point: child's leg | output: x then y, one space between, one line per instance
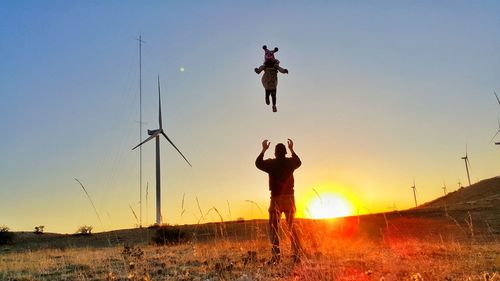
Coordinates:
273 96
268 92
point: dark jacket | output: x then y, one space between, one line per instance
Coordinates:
280 172
270 77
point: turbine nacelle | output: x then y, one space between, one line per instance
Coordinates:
155 132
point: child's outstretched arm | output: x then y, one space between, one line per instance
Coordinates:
282 70
259 69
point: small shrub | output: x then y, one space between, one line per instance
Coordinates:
84 230
6 236
39 229
170 235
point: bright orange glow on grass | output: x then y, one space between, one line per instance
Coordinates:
329 205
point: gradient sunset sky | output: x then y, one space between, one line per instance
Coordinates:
379 93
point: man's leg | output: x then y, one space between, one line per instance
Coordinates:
268 92
294 237
274 220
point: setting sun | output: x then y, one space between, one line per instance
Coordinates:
329 206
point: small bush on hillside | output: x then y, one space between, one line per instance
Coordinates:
39 229
6 236
170 235
84 230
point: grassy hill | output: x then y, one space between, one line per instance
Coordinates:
483 194
476 207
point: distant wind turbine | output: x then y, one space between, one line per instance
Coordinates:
414 192
467 164
498 120
445 207
498 100
156 134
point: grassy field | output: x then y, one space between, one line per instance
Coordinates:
391 246
455 237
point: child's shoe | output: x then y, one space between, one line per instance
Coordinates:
274 108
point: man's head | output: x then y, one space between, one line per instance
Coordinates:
280 151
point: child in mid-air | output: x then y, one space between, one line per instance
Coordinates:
270 67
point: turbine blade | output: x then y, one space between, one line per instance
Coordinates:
159 104
498 100
146 140
495 135
176 148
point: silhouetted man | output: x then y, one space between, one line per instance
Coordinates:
281 183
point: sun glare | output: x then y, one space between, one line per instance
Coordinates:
329 206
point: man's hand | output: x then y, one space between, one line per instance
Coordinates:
265 145
290 145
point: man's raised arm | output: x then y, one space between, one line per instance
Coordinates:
295 157
259 162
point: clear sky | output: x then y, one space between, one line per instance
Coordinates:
379 93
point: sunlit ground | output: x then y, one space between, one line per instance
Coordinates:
330 252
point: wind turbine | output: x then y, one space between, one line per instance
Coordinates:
156 134
498 100
498 120
414 193
467 164
444 190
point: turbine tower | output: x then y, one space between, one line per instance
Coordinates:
467 164
444 189
156 135
414 192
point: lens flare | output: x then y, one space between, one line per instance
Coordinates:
329 206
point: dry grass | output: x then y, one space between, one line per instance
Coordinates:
329 254
433 242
